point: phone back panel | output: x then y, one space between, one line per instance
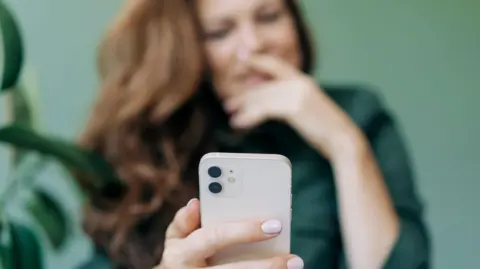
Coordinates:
253 186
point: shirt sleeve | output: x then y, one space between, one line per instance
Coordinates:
412 248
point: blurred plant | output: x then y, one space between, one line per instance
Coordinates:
31 150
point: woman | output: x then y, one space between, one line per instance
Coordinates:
183 78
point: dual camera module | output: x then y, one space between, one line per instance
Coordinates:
215 172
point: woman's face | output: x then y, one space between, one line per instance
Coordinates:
234 29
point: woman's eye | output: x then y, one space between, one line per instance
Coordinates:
269 17
217 34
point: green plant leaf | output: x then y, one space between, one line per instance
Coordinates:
98 174
12 48
19 247
7 257
27 250
48 214
43 208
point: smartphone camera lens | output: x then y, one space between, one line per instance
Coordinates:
214 172
215 187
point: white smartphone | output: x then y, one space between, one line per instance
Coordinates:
236 187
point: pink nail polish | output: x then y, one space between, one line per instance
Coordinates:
271 226
190 202
295 263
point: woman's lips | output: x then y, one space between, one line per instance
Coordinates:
253 80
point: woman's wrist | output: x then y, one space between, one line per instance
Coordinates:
348 148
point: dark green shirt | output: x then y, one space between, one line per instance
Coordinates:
316 236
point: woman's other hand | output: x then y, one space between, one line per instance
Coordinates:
293 97
187 246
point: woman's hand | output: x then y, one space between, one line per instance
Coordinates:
295 98
186 246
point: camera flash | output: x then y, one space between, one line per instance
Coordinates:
231 179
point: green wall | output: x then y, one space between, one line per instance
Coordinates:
423 56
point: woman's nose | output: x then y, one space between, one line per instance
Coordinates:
250 40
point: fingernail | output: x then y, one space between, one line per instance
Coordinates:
191 201
295 263
271 227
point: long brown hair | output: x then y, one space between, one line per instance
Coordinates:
147 124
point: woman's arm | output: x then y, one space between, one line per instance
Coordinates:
380 214
368 219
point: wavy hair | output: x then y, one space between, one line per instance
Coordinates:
147 124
